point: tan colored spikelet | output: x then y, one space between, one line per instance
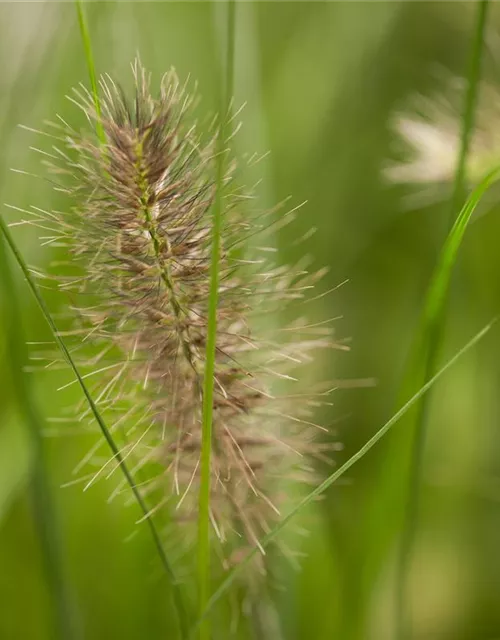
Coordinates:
139 233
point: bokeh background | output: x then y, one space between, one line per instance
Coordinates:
320 82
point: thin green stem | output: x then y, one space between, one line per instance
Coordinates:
42 503
470 102
264 542
208 381
177 596
433 332
43 508
89 57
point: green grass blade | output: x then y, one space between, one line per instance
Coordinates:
397 456
208 381
42 503
177 596
430 339
436 297
473 76
89 57
342 470
16 463
43 508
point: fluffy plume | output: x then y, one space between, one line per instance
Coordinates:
139 235
430 131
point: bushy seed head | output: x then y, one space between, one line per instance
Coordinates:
139 230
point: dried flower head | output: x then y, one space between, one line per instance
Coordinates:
139 234
431 130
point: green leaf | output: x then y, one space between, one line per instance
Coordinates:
208 381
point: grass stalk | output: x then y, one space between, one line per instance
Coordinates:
469 107
433 326
177 596
42 502
89 57
208 381
307 500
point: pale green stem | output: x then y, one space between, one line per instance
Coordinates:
89 57
42 503
431 347
44 512
208 380
473 79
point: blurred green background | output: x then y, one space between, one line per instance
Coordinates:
320 82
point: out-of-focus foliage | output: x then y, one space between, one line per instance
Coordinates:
321 81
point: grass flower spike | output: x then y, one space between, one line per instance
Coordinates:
431 130
138 231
